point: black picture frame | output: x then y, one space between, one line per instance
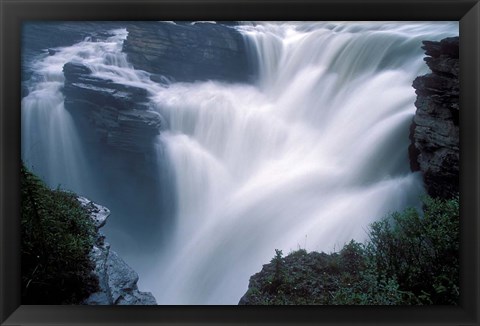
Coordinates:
14 12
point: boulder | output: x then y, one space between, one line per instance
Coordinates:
434 133
187 51
117 280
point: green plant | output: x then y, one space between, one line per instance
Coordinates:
420 251
56 238
274 281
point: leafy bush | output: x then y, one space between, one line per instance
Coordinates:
360 284
57 236
420 251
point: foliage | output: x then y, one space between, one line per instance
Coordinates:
410 258
421 252
57 236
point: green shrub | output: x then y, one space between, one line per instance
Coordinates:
57 236
420 251
360 284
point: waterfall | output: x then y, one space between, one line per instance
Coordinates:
51 145
306 157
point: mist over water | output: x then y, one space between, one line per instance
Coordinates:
305 157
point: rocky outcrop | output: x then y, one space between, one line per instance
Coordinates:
117 113
300 278
435 130
303 278
184 51
117 280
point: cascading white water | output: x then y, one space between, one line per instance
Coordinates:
306 157
50 143
50 139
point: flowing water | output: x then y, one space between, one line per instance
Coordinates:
305 157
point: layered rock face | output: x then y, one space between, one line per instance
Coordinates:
435 130
117 280
183 52
118 113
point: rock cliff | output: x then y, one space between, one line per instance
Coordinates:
435 129
117 113
117 280
182 51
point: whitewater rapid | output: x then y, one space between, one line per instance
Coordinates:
305 157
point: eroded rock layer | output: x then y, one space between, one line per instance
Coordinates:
435 130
